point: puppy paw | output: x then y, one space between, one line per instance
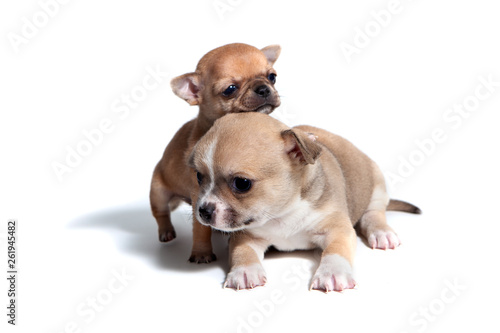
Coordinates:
202 258
383 239
166 235
333 273
246 277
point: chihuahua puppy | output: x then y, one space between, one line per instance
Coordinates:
269 185
231 78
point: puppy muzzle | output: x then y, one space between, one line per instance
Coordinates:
261 97
206 213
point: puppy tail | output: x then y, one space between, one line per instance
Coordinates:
402 206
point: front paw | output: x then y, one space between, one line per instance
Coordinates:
166 235
202 257
246 277
333 273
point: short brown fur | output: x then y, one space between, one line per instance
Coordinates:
234 64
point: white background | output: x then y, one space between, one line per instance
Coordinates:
75 234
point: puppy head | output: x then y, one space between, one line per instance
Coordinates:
249 169
232 78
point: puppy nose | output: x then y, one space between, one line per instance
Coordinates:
206 212
263 91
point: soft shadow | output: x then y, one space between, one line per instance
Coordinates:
361 236
312 255
272 253
134 231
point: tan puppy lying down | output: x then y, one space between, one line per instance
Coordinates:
270 185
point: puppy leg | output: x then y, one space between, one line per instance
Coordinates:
245 256
202 244
335 268
160 198
373 224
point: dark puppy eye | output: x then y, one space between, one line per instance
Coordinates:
199 177
230 90
272 78
242 185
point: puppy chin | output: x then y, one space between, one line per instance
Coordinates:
266 109
228 226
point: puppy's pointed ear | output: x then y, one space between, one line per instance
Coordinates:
301 147
272 52
187 87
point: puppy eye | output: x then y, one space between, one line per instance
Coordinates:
242 185
199 177
272 78
230 90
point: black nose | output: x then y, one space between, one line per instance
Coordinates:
263 91
206 212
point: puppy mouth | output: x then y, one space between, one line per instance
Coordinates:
228 229
232 226
266 109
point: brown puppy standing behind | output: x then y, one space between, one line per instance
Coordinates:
274 186
231 78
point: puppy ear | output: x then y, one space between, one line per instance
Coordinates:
187 87
272 52
301 147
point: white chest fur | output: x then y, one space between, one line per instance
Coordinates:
293 231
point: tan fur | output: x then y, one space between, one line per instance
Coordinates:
308 190
355 166
234 64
